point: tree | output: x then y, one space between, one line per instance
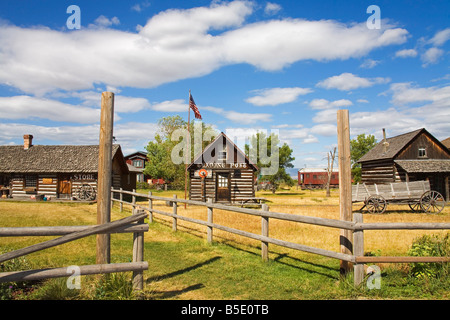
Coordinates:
159 151
284 158
359 147
331 157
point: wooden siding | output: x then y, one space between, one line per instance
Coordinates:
433 150
241 187
381 171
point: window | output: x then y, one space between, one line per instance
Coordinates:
30 181
314 176
222 181
422 152
237 173
137 163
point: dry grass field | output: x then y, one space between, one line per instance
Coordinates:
312 203
183 266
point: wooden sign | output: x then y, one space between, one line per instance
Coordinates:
225 165
47 181
83 176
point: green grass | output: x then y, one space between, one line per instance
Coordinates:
182 265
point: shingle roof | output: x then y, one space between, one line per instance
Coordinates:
51 159
424 165
396 144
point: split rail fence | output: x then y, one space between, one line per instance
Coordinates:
357 227
132 224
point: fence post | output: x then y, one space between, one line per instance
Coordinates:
150 207
265 233
209 231
358 245
138 255
133 201
345 186
174 206
104 175
121 199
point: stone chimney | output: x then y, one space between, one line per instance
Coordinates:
27 141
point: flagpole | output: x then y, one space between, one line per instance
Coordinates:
187 148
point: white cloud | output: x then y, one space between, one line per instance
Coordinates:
431 56
362 101
26 107
320 104
104 22
174 44
440 37
240 117
130 135
138 7
275 96
272 8
178 105
406 53
405 93
348 81
310 139
325 129
369 63
268 45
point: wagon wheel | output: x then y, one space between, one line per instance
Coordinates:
415 206
432 202
85 192
376 204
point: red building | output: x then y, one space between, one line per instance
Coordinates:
317 178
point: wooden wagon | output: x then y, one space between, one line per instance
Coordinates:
417 194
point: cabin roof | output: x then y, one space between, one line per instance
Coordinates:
52 159
219 139
396 145
410 166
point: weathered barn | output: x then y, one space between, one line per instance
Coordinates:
228 175
412 156
317 178
61 171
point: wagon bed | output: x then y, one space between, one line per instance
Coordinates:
417 194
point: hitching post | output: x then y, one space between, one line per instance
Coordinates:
104 175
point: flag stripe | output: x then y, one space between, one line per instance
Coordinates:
194 107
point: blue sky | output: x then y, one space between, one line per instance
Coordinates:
280 66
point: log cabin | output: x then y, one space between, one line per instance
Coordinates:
58 171
222 172
412 156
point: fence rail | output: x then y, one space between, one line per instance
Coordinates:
133 224
357 227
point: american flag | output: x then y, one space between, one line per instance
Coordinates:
194 107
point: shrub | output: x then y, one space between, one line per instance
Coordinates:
430 245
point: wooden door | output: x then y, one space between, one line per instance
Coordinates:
223 186
64 185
